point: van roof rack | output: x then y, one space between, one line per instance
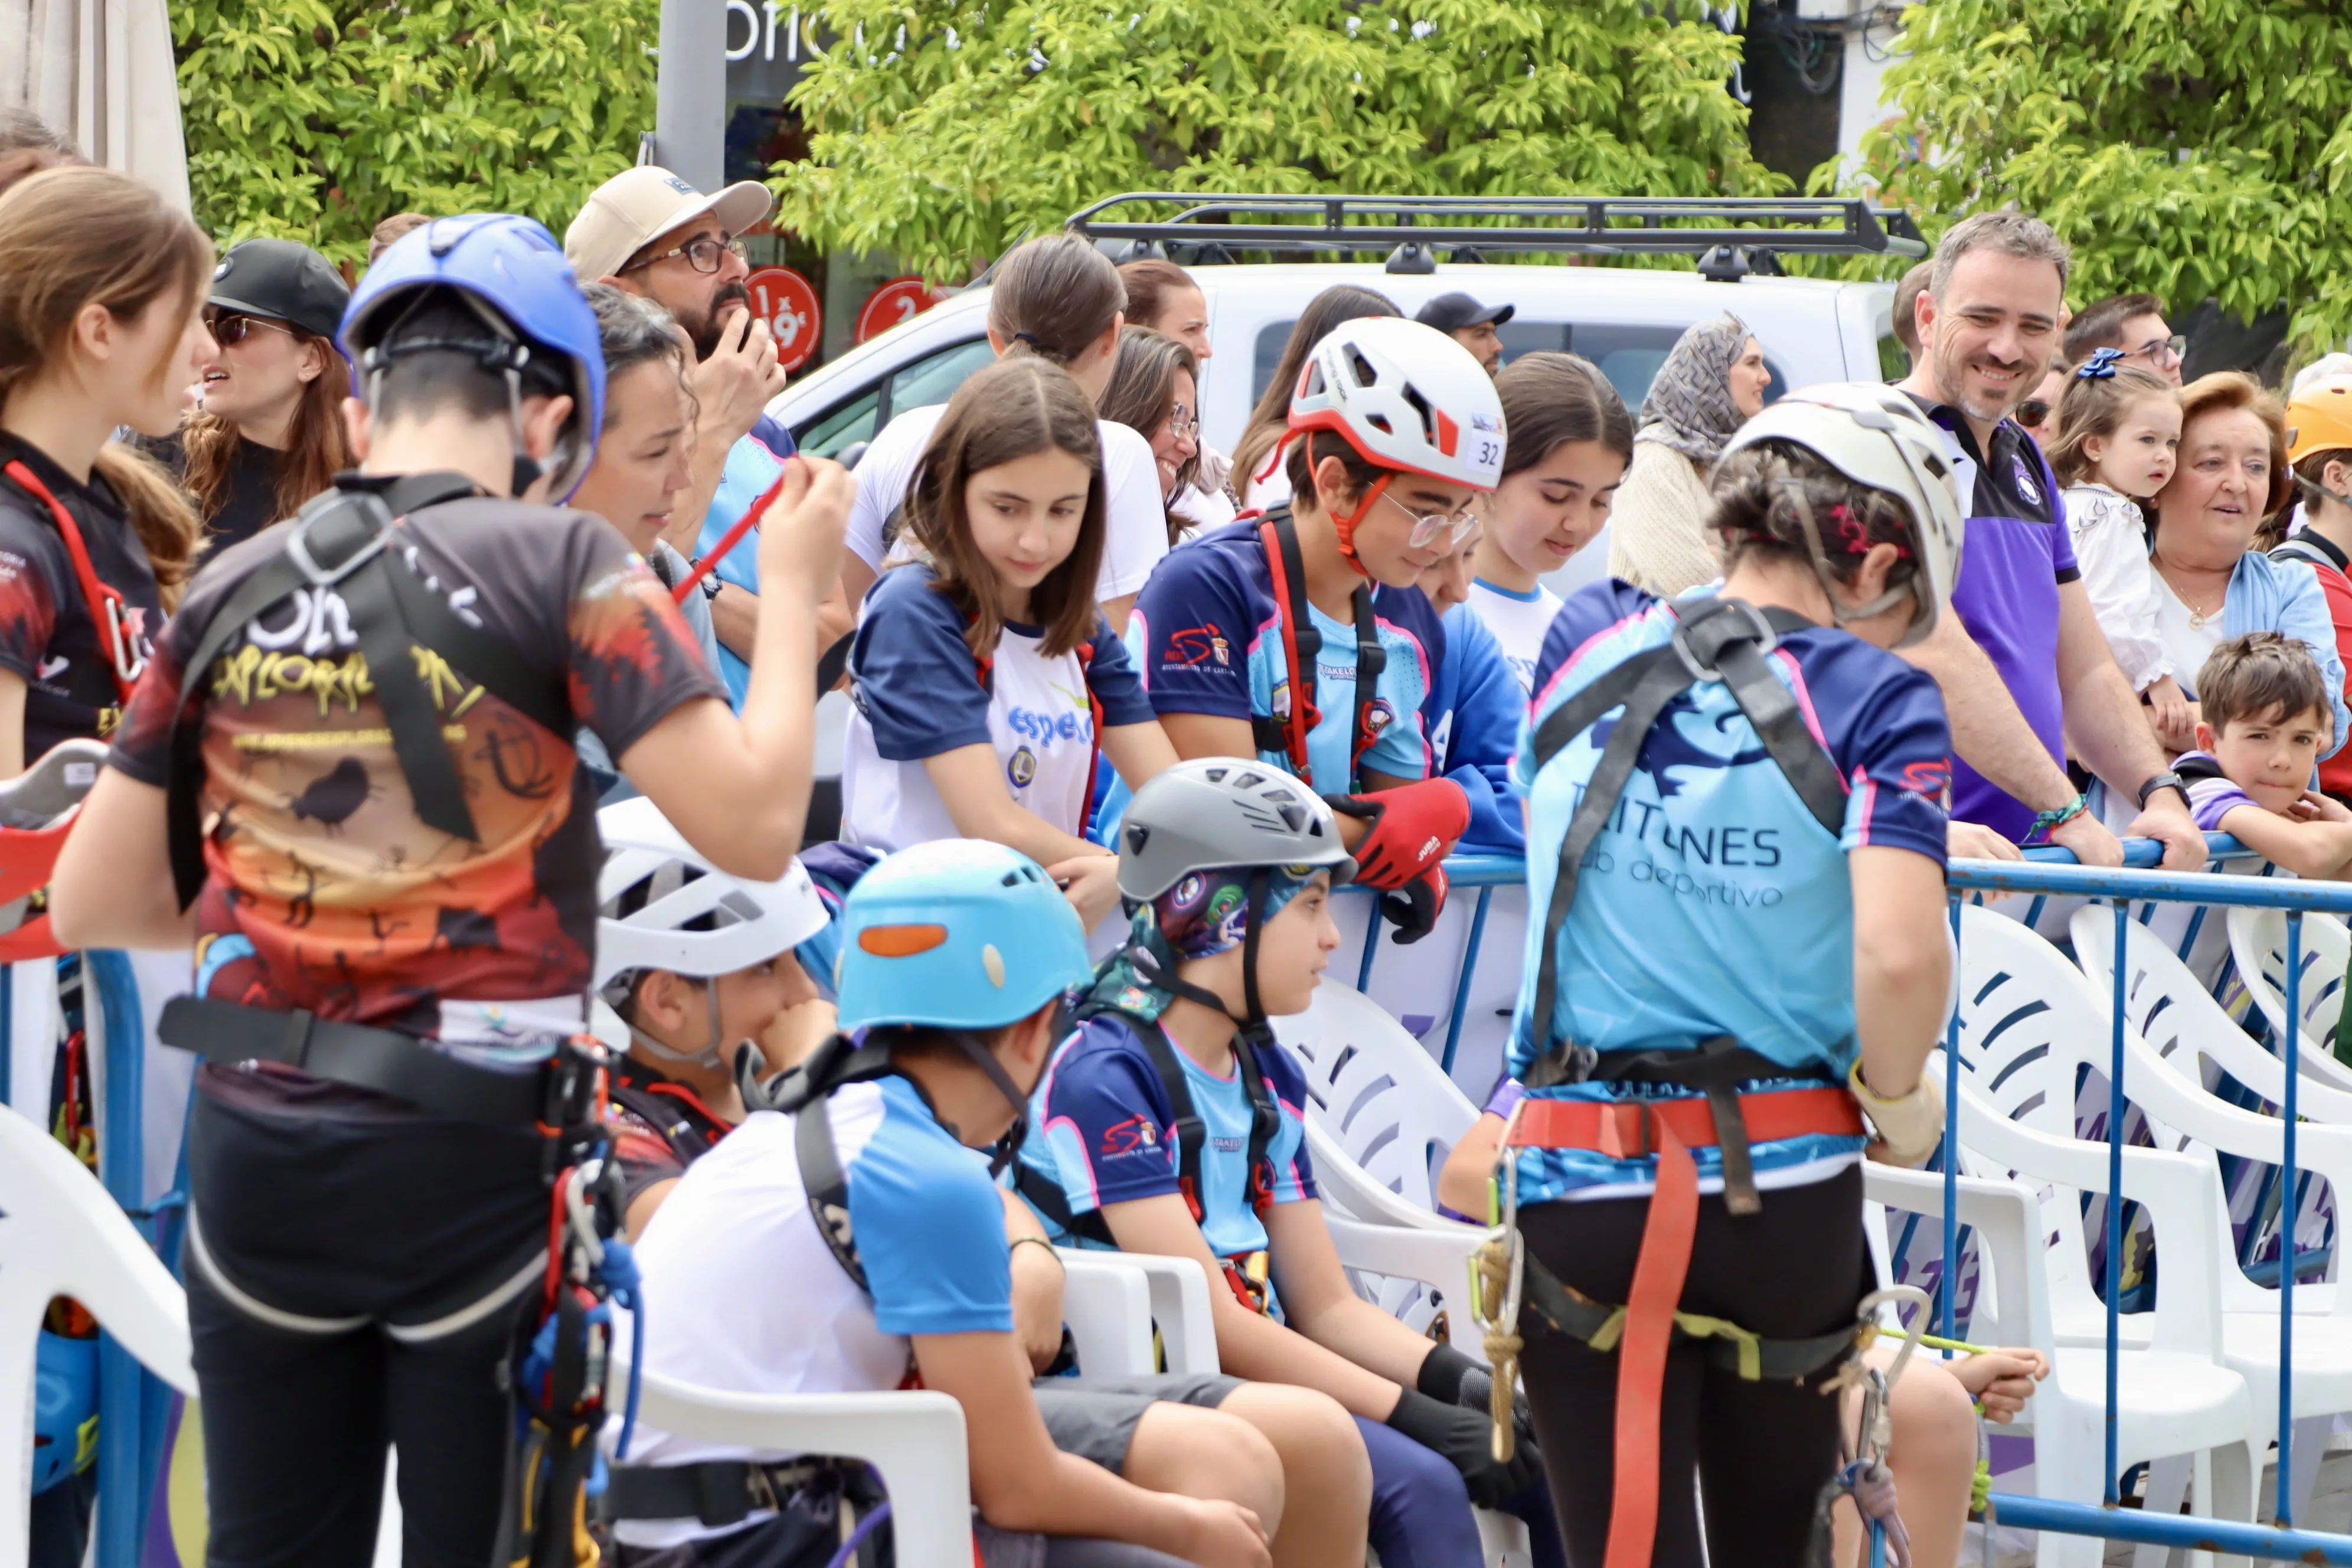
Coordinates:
1730 236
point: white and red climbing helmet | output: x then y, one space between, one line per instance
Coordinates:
1406 397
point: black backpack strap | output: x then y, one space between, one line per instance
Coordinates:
1184 1121
802 1094
1371 663
676 1128
1715 639
1266 1115
827 1186
1046 1196
343 539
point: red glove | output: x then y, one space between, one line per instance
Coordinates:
1414 827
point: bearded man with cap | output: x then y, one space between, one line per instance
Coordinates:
650 232
1471 324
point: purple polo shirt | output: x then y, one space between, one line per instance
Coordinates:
2015 555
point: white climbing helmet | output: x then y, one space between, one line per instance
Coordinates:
1405 395
1877 437
662 906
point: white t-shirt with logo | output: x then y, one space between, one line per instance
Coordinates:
1519 622
919 692
1134 513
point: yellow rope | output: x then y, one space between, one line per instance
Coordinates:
1502 1343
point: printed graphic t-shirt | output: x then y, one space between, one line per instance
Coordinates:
325 891
1519 622
48 638
1206 637
1098 1125
919 692
1713 902
751 1299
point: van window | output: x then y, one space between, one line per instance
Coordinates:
931 379
1628 355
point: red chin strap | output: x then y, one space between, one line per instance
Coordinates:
1345 527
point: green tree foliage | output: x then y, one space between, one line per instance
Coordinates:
2198 151
941 130
316 118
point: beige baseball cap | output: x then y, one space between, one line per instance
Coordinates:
641 205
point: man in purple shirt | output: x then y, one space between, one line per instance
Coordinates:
2022 664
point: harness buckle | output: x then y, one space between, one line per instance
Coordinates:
1766 638
297 549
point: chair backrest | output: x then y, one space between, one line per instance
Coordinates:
2258 942
2182 1023
2024 1031
60 1235
1376 1092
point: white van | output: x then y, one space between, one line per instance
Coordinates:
1622 319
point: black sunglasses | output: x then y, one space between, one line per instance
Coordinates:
230 327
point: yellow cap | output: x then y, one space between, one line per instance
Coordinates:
2319 419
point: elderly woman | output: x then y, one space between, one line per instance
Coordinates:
1712 382
2210 583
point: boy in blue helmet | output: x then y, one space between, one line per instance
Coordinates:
347 778
1172 1122
955 957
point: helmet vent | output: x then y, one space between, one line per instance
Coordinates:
1421 406
1379 422
1294 816
1137 837
1365 374
1012 879
1249 781
1216 776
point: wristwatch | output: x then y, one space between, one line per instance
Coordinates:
711 584
2165 779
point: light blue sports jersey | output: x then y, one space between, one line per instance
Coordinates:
751 469
1714 902
1098 1125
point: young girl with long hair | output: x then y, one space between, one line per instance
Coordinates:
1569 440
985 677
269 435
100 285
2119 440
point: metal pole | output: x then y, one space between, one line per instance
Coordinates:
690 92
1461 985
2291 1052
2116 1188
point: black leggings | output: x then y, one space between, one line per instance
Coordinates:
1762 1451
392 1223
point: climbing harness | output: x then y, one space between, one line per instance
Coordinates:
1245 1275
1864 1477
344 543
108 610
1287 731
1714 639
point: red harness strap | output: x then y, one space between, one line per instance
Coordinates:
1670 1129
1303 715
104 604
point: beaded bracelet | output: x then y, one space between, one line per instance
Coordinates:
2059 816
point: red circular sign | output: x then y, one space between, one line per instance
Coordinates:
783 298
899 299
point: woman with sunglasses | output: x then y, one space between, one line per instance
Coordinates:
101 283
267 433
1300 638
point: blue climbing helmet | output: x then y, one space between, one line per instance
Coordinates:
64 1407
536 326
956 934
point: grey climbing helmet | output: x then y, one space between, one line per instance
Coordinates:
1214 812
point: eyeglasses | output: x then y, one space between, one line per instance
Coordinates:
229 327
703 255
1427 526
2032 412
2164 350
1183 424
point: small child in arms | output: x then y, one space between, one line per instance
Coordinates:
2266 721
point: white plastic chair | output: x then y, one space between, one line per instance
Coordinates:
1380 1115
915 1439
2025 1026
2258 943
61 1234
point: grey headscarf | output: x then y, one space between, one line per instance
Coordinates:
1689 405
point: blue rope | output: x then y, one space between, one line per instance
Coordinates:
858 1537
623 1279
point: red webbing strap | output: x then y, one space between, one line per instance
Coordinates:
1658 1275
95 594
1299 721
727 541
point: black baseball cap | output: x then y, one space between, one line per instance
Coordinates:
1452 312
284 280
